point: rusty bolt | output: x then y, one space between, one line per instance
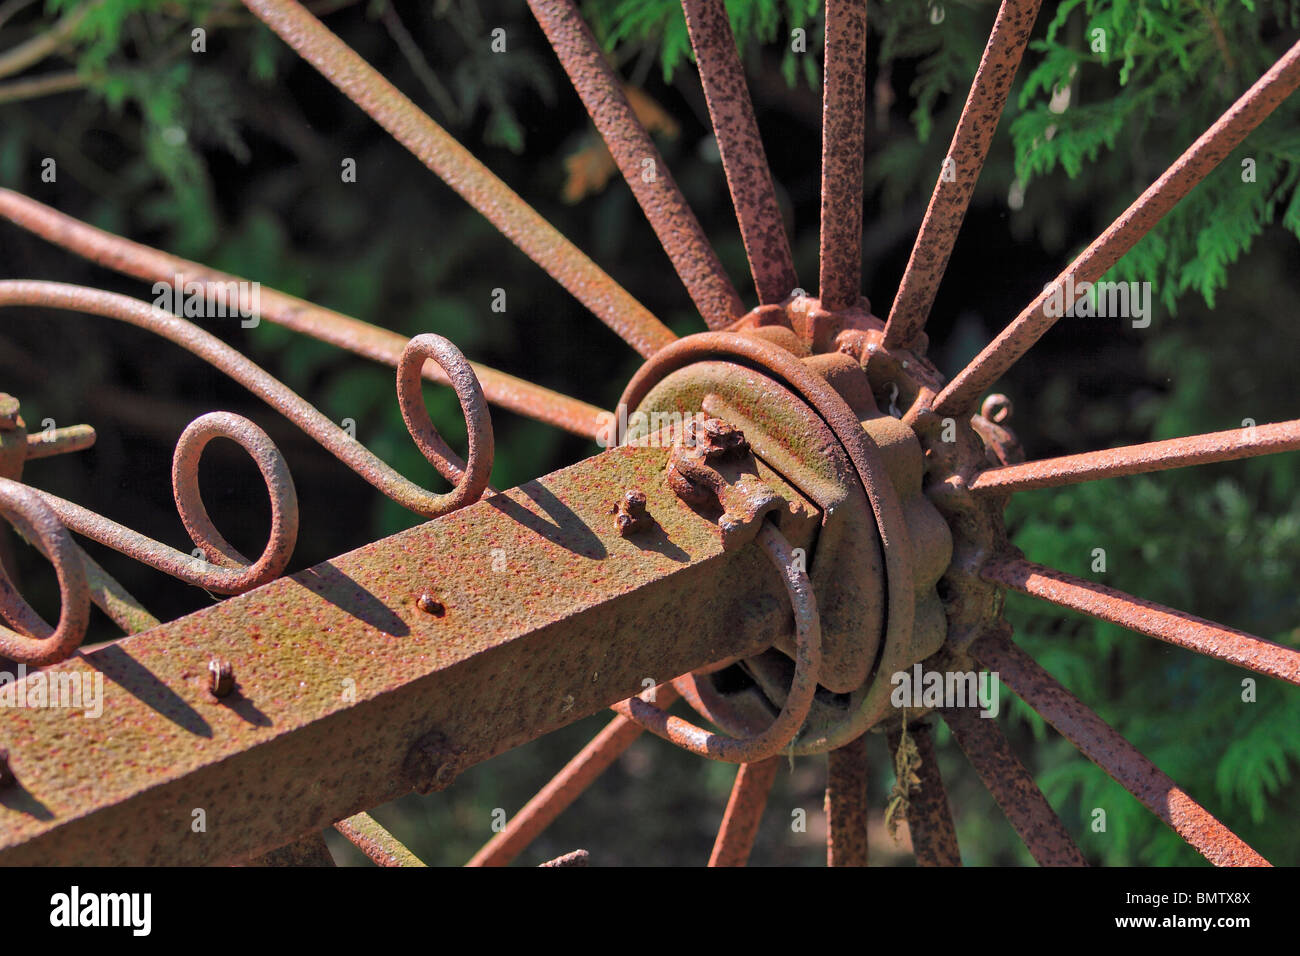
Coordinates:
8 412
630 515
430 605
221 677
6 774
718 439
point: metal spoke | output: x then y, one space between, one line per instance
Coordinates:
743 157
565 787
1135 222
1230 445
929 817
846 804
1097 741
1026 808
458 168
639 161
844 104
1146 617
365 833
744 811
371 341
961 169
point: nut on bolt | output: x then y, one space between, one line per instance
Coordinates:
630 515
717 439
221 677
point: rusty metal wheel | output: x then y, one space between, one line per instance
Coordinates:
803 452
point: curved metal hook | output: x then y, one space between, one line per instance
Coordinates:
41 644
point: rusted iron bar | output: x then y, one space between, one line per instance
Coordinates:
1230 445
639 161
803 685
362 338
59 441
565 787
458 168
846 804
1097 741
844 106
365 833
744 812
1146 617
1210 148
329 435
961 170
743 157
929 817
1026 808
350 690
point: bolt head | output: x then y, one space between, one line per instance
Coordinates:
430 605
221 677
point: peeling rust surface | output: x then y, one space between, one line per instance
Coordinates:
844 101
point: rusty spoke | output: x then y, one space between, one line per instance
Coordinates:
639 161
365 833
1147 617
929 817
743 157
371 341
846 804
564 788
1099 742
1135 222
961 169
1026 808
744 811
458 168
1230 445
844 103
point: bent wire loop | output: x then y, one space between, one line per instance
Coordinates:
45 519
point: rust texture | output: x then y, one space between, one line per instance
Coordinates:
1026 808
744 811
961 169
34 641
576 858
1112 753
1146 617
361 338
1230 445
846 804
1135 222
365 833
777 736
843 108
929 817
565 787
872 473
309 850
458 168
743 157
551 616
329 435
639 161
